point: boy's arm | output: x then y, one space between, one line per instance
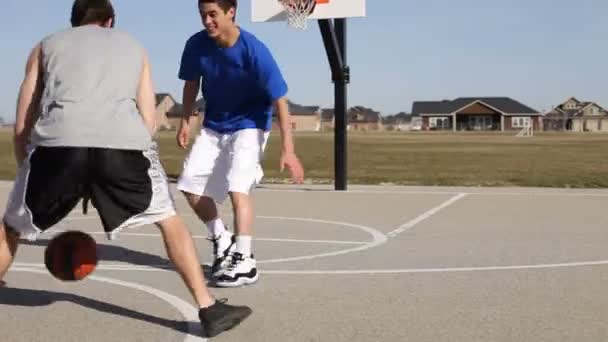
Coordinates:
189 72
28 104
271 81
188 99
288 155
282 108
146 98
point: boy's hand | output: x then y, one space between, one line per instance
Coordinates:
291 161
183 136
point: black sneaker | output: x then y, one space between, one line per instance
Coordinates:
221 317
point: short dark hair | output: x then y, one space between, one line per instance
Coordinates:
85 12
224 4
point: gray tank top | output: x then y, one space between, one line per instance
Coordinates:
91 76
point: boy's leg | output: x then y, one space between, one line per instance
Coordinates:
242 206
205 208
47 187
244 173
203 182
180 249
9 240
223 240
130 190
215 316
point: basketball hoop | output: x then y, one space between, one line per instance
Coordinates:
298 12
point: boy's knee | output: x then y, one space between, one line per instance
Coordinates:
10 232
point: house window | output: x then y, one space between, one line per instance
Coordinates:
521 121
593 110
439 122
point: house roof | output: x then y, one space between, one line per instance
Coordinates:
358 114
580 107
327 114
178 109
297 109
161 96
362 114
503 104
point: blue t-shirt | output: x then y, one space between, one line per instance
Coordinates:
239 83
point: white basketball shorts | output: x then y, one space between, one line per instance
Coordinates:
222 163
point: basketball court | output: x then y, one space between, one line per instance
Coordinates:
368 264
372 263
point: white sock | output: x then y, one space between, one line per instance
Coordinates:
243 245
216 227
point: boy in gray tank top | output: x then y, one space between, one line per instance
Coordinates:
84 127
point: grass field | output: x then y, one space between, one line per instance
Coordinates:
546 160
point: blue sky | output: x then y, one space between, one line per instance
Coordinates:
539 52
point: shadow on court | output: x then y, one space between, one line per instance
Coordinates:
37 298
115 253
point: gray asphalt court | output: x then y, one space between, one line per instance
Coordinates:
374 263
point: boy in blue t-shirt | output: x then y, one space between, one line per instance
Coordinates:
241 84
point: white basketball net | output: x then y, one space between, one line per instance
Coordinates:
298 12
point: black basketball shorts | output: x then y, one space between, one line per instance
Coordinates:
128 188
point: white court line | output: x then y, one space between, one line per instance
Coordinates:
188 311
443 192
167 268
204 237
411 224
378 239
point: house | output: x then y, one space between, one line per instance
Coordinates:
303 118
164 104
398 122
364 119
169 112
359 118
577 116
327 119
476 114
176 113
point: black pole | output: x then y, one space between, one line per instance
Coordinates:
340 109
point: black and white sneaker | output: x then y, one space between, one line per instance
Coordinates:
223 246
221 317
241 271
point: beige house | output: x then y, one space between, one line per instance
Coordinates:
364 119
303 118
169 112
164 104
577 116
358 119
327 120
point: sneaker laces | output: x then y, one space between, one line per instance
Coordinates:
234 261
216 243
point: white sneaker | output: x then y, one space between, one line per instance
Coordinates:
241 271
223 246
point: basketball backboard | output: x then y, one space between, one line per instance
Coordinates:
272 10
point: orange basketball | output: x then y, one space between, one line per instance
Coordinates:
71 256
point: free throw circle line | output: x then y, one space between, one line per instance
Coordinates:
185 309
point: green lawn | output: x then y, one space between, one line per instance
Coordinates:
548 160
